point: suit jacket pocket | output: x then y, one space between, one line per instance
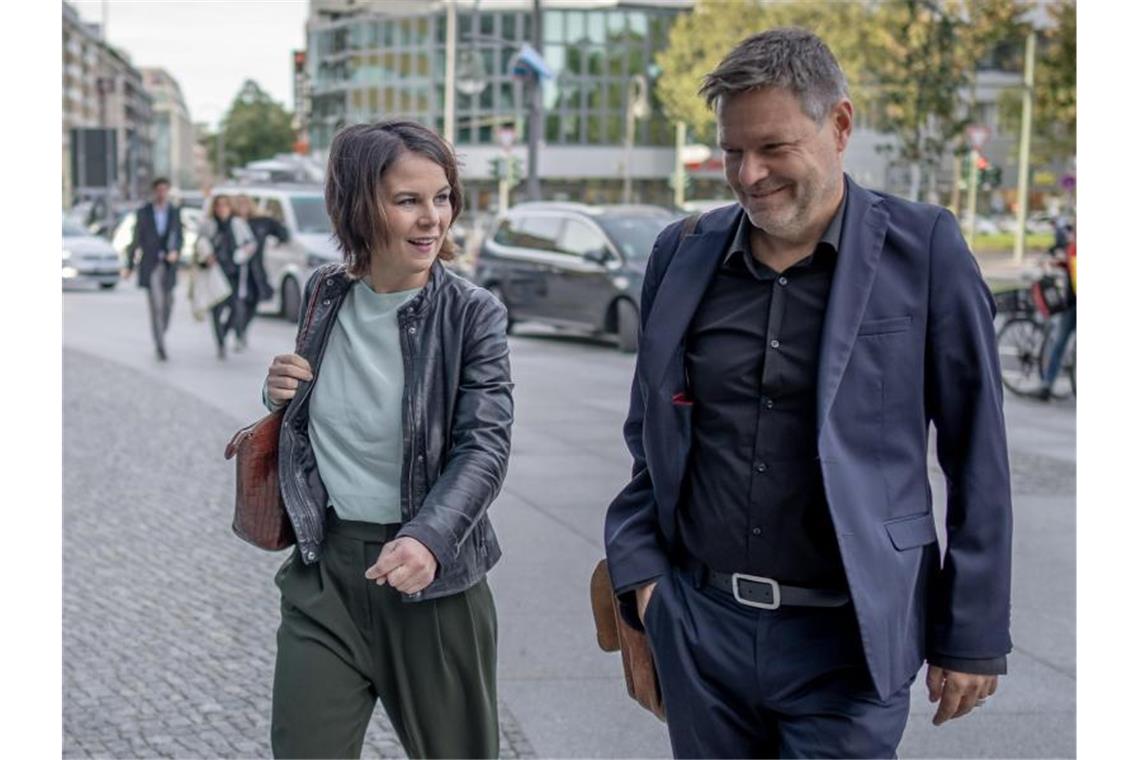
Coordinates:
911 531
884 326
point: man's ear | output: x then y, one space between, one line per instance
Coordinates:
843 122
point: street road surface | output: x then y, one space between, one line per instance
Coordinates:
169 620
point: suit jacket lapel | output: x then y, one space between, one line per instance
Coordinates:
860 245
685 281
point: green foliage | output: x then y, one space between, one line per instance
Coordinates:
923 55
700 39
907 61
255 127
1054 89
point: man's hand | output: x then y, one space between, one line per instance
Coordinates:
404 564
125 273
644 594
958 692
172 257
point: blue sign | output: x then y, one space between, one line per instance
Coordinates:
528 62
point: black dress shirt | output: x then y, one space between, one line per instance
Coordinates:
754 499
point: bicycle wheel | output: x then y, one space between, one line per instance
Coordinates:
1019 350
1065 385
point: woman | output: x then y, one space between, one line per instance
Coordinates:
230 244
393 445
257 288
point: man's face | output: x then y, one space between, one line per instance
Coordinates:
786 171
161 191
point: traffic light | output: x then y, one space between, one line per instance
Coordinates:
509 169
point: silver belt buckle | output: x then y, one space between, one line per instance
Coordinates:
773 605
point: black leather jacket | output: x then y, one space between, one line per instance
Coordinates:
456 420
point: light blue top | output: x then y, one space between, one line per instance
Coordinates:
355 413
160 218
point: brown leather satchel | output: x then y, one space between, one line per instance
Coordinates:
614 634
259 510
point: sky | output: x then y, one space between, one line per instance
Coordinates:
209 46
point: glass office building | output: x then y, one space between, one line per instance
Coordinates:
369 61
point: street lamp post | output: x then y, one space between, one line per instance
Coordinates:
527 63
533 189
1023 151
636 107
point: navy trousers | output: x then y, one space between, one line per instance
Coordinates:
744 682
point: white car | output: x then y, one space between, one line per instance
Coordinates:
88 258
288 264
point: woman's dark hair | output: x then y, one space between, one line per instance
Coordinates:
214 204
358 157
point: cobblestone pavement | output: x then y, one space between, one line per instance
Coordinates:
168 619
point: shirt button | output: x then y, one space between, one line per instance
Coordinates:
774 344
329 281
412 330
311 555
327 301
783 280
420 458
756 531
761 467
769 403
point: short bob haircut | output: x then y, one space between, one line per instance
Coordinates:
213 210
358 157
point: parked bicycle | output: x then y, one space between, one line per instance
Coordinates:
1026 339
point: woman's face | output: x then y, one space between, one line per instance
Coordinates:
222 208
415 198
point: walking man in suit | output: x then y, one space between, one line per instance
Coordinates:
776 539
156 243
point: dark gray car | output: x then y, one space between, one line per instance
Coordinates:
573 265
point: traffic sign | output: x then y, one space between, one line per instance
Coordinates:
977 134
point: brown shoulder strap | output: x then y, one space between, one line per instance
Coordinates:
690 224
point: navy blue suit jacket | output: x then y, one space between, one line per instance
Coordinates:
908 340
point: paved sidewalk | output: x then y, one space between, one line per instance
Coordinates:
168 619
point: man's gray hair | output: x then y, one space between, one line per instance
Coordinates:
790 58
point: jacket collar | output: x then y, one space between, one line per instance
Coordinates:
684 283
861 244
338 281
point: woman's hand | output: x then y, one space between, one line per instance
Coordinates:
285 374
404 564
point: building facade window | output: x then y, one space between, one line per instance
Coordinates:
372 67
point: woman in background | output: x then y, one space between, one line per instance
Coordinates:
230 245
258 288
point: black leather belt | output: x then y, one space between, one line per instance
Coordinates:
767 594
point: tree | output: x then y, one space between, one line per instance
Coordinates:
700 39
922 55
254 127
1054 89
907 61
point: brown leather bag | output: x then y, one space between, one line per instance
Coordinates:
614 634
259 510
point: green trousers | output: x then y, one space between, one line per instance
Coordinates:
344 641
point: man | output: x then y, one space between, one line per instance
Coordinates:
155 243
776 539
1067 321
